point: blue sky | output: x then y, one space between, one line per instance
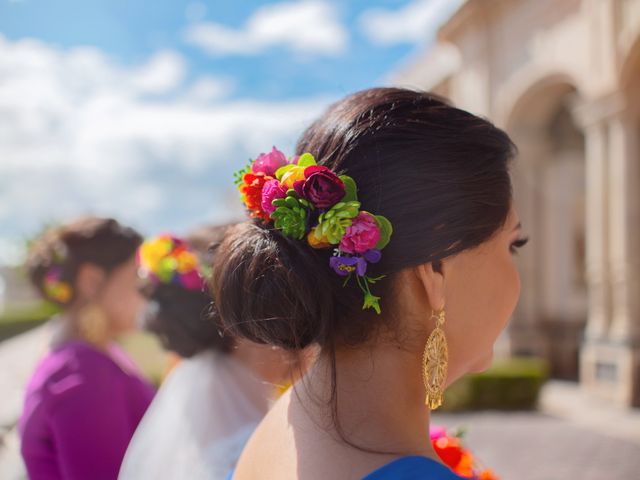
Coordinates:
141 110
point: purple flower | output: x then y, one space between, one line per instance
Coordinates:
372 256
362 235
271 190
322 187
344 266
268 163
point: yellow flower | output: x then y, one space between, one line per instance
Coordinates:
152 252
64 292
294 174
58 291
316 242
187 261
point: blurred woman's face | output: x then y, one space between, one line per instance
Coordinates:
482 286
119 297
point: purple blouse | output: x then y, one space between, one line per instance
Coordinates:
81 409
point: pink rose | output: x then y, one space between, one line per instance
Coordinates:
271 190
362 235
268 163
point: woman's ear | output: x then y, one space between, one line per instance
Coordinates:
432 280
89 281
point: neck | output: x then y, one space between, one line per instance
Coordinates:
79 324
380 399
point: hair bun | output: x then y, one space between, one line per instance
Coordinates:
271 289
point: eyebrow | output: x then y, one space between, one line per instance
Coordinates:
519 225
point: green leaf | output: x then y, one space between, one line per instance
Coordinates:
306 160
373 280
350 188
371 301
386 229
239 175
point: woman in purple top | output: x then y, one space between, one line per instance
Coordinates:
86 397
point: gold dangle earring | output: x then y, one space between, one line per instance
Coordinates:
434 363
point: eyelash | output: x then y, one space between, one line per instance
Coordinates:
518 244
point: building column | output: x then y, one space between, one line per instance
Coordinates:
610 357
596 235
624 215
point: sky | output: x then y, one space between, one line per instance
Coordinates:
141 110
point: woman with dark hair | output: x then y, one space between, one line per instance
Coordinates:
86 397
404 201
213 399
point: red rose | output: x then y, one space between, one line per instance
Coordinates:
322 187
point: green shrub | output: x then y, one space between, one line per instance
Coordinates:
19 320
512 384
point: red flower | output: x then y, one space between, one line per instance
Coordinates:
251 190
450 450
322 187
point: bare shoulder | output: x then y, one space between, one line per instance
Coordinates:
271 450
288 444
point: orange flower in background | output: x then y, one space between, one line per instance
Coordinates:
487 475
450 451
453 454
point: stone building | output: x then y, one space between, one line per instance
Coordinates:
563 78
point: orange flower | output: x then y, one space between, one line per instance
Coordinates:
322 242
251 190
465 465
487 475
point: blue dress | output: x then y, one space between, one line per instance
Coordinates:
409 468
413 468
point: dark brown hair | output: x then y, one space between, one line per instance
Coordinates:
185 320
438 173
98 241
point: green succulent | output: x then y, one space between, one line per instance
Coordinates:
334 223
290 215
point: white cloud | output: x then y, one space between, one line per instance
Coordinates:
413 23
208 88
80 133
163 73
306 27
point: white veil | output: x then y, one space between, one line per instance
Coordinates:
199 421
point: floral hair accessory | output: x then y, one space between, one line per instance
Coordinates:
54 287
311 203
168 260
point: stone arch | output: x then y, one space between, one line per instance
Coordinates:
549 185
